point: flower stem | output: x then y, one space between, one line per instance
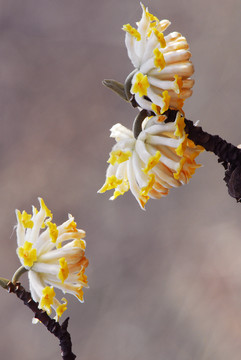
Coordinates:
137 124
16 276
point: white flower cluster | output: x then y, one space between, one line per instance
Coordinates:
163 67
161 156
54 256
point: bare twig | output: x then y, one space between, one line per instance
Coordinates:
60 331
228 155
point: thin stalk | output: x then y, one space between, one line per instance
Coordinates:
18 273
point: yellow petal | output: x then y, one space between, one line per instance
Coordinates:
153 160
118 156
25 219
47 299
159 60
27 253
132 31
145 190
61 308
178 84
160 37
53 231
180 125
64 270
111 183
47 211
166 99
141 85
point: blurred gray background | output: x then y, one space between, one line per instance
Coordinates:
165 284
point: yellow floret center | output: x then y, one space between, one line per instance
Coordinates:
53 231
180 125
79 293
27 253
182 147
132 31
143 200
25 219
64 270
121 189
118 156
79 243
166 100
159 60
151 17
141 85
82 277
178 84
153 160
111 183
61 308
47 299
179 169
72 226
46 209
158 111
160 37
145 190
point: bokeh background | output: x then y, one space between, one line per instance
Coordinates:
165 283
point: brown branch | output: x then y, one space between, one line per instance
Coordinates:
228 155
60 331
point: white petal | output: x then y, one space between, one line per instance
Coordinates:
183 69
158 129
119 132
155 98
177 56
36 285
171 164
46 268
132 181
38 222
147 66
161 140
151 44
145 104
130 45
66 251
20 232
138 165
163 25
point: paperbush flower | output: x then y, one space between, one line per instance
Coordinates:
54 256
163 66
160 158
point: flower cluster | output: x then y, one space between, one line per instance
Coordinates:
54 256
162 63
159 155
160 158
